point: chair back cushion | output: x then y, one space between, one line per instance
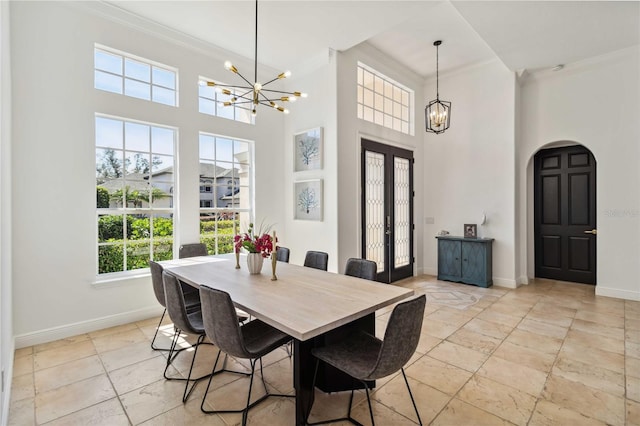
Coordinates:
316 259
192 250
282 254
401 337
175 303
156 280
361 268
221 322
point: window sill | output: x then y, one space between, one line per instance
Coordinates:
119 278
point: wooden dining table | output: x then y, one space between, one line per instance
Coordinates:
312 306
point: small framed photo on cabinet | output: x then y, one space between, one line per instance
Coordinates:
470 230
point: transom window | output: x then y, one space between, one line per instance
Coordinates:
128 75
228 164
384 101
211 100
135 165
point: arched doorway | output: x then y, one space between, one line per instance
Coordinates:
565 214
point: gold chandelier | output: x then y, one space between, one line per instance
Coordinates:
254 94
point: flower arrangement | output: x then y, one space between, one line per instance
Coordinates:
255 242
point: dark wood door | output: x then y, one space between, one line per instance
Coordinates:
565 214
387 209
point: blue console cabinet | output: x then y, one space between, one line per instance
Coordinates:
465 260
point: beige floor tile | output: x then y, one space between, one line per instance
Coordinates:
586 400
595 328
508 307
188 414
23 365
439 375
280 376
543 329
448 316
632 366
22 352
503 401
632 349
147 402
499 318
583 338
63 354
547 414
615 321
458 412
550 318
70 372
137 375
513 374
476 341
633 413
632 335
107 413
22 387
592 355
457 355
604 305
491 329
128 355
591 375
396 396
525 356
382 415
233 396
22 412
333 405
123 339
438 329
633 388
545 307
164 337
76 396
61 342
550 345
113 330
427 343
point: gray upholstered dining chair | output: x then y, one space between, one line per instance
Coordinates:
361 268
183 322
282 255
365 357
250 341
316 259
192 300
192 250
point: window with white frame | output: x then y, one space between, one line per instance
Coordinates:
129 75
228 164
211 100
135 165
384 101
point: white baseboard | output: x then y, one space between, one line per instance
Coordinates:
505 282
64 331
523 280
617 293
430 271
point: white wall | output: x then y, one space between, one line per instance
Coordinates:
469 169
53 175
595 103
6 310
350 132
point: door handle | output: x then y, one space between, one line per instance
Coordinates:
593 231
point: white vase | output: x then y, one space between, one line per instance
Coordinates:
254 263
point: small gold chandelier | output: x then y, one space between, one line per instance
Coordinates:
438 113
255 94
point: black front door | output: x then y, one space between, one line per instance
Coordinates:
565 214
387 209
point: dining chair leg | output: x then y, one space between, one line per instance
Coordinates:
186 394
366 388
411 395
155 348
215 364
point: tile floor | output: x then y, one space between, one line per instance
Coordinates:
549 353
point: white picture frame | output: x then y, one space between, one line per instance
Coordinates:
308 200
307 150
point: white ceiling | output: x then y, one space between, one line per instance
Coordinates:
523 34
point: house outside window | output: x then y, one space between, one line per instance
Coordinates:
228 164
135 190
129 75
384 101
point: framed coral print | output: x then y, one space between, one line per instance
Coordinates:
308 150
308 200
